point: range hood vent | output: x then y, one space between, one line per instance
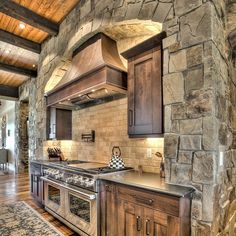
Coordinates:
96 75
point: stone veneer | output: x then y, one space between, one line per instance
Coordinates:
199 96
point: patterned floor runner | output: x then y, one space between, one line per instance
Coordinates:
19 219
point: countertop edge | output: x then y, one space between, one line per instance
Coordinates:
148 188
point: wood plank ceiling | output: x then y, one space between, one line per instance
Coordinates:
24 26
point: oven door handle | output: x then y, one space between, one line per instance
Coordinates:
82 193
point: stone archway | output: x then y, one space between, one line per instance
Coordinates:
57 74
126 33
137 30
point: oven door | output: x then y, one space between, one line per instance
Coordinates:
81 210
54 197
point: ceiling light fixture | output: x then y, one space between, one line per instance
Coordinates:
22 25
7 51
33 65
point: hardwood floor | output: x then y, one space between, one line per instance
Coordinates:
16 188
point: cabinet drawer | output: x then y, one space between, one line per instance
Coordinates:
167 204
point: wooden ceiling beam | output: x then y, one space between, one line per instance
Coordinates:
17 70
29 17
19 41
8 91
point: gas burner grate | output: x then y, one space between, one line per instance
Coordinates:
105 170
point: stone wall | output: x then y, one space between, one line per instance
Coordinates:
196 112
198 126
225 194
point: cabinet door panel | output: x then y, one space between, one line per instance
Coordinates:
159 230
131 97
145 94
53 123
63 124
59 124
143 98
33 185
159 223
157 101
108 210
148 221
130 222
173 226
155 222
140 95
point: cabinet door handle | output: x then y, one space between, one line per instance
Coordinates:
147 227
34 178
131 117
138 223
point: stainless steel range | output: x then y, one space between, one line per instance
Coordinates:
71 193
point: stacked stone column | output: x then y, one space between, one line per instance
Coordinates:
195 87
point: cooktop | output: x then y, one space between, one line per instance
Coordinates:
88 167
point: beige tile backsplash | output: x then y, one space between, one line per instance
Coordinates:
110 124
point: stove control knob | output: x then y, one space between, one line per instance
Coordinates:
83 180
58 176
55 172
69 179
76 179
90 183
86 180
79 179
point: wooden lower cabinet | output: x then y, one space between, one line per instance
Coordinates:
137 213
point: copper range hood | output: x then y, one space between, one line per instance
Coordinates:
96 75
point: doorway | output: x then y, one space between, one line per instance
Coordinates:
22 140
7 135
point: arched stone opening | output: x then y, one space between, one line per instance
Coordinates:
126 33
57 74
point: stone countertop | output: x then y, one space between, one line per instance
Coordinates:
148 181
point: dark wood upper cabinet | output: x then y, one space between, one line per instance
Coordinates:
59 124
145 103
